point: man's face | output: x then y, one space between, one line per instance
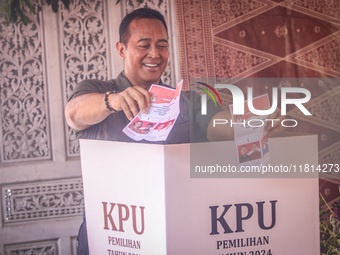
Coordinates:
254 147
138 124
160 126
146 52
244 151
148 126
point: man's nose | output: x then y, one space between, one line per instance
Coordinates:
154 51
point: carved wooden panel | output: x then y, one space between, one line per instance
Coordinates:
24 132
84 50
36 248
42 200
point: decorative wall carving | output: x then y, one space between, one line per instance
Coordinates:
36 248
84 50
24 133
36 201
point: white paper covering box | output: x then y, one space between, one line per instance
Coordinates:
140 199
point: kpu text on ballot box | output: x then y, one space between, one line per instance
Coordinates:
145 199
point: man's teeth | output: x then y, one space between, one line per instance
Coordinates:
151 65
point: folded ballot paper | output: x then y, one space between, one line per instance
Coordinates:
250 134
157 123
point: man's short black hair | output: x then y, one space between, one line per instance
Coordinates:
142 13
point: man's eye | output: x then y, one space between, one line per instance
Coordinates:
163 45
144 46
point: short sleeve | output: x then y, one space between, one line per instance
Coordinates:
92 86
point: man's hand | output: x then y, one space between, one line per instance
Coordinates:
220 132
131 101
276 126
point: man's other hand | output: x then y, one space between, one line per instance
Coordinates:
275 127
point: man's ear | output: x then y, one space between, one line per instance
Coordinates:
121 48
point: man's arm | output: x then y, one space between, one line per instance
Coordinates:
86 110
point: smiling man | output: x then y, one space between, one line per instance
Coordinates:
101 109
144 47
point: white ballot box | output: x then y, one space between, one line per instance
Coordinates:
142 199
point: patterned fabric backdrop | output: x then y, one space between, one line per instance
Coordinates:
237 39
